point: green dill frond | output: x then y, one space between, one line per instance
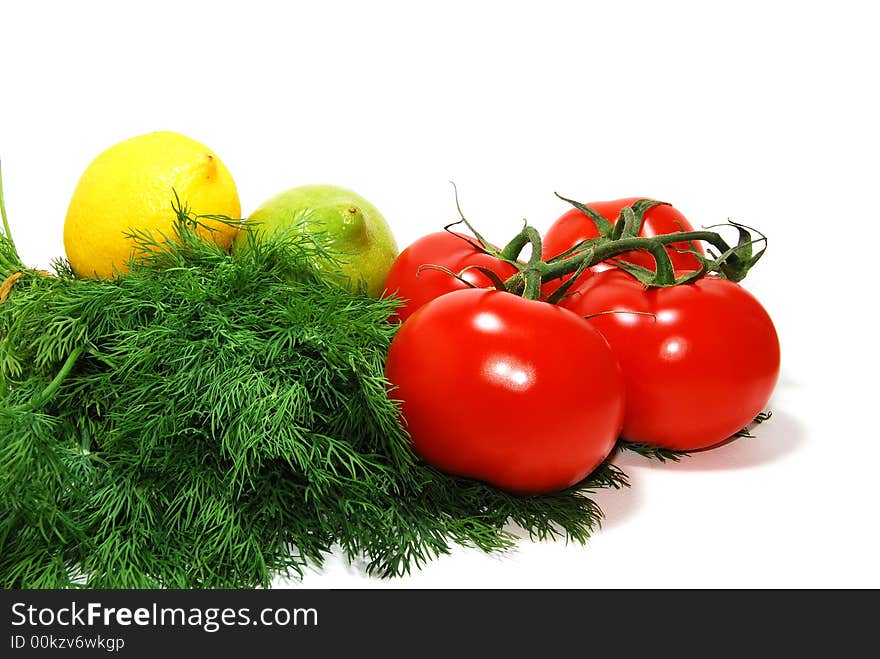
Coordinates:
224 420
652 452
9 259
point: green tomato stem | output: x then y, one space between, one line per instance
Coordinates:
511 250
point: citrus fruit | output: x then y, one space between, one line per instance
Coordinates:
360 239
130 187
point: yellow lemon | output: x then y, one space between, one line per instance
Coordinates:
130 188
364 247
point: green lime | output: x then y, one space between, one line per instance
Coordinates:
363 245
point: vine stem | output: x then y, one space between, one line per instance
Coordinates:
600 251
616 239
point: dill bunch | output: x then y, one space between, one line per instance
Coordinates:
213 420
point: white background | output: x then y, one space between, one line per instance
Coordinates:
762 112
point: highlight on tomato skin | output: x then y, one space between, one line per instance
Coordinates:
700 360
517 393
414 278
574 227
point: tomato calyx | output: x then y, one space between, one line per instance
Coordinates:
531 272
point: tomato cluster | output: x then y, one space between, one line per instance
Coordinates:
532 396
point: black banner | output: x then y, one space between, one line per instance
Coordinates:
140 623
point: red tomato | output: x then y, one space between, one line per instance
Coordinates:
698 369
521 394
451 251
575 227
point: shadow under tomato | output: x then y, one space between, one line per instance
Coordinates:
772 440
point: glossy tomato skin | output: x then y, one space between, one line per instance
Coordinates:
574 227
698 369
520 394
442 248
